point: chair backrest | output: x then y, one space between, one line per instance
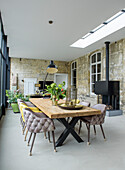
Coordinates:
101 107
99 119
19 101
85 103
37 124
39 114
22 105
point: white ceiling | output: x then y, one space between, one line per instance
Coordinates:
31 36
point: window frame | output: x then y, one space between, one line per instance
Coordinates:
72 84
4 69
96 73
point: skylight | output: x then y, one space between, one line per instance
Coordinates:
108 27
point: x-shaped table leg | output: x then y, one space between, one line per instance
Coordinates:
69 129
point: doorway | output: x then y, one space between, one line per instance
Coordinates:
60 77
29 86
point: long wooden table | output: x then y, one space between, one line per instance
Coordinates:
55 112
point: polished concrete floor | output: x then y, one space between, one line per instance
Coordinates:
100 155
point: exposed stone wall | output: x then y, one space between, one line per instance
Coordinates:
34 68
116 70
117 67
69 72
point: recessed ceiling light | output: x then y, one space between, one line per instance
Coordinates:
50 22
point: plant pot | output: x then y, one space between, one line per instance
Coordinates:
15 107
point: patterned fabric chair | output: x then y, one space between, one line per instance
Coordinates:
84 104
22 105
95 120
29 104
38 123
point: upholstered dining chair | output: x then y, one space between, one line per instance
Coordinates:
22 105
28 104
84 103
38 123
95 120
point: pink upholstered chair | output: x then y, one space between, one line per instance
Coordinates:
95 120
28 104
84 103
38 123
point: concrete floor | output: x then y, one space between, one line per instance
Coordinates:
100 155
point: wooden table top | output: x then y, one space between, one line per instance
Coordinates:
56 112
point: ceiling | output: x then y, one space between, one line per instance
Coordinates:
31 36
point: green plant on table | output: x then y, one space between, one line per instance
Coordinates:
56 90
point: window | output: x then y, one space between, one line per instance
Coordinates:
4 68
95 70
73 73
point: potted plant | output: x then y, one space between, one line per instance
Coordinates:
12 99
57 92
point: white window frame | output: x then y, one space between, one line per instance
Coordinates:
72 73
97 62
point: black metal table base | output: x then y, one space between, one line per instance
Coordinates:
69 129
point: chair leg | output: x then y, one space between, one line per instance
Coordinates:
32 144
26 135
21 121
80 127
88 126
49 137
24 129
29 139
54 141
94 129
45 135
23 124
102 132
